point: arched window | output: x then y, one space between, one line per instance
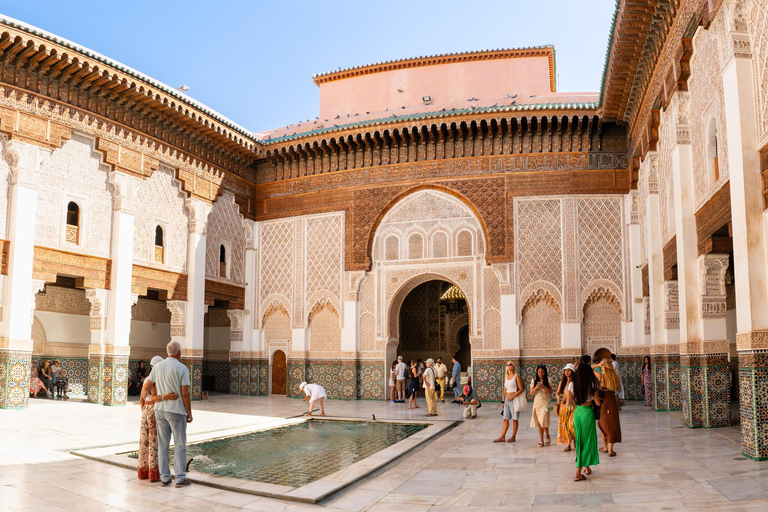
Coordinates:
222 261
440 245
392 248
73 223
712 164
464 244
415 247
159 245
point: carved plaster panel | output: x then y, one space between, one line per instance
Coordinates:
225 227
162 203
75 173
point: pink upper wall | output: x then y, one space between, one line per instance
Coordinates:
449 85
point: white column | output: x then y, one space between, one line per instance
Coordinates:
350 331
510 330
571 336
198 220
24 160
99 299
250 335
634 333
749 249
653 246
120 302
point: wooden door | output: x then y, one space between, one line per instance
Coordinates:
279 373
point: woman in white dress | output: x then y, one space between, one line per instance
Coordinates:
513 402
541 391
315 394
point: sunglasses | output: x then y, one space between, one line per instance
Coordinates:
510 364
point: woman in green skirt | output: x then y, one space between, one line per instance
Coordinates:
582 392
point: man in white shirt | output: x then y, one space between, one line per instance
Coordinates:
172 414
430 377
315 394
442 371
400 370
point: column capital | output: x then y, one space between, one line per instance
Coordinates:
98 298
197 212
24 159
679 113
124 191
651 163
251 231
712 268
178 309
671 305
353 280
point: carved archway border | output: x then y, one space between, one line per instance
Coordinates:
274 300
536 292
456 326
319 299
439 188
601 289
392 322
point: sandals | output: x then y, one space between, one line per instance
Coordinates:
511 440
587 471
602 450
541 444
548 442
579 478
499 440
612 454
568 449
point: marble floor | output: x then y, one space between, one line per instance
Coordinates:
660 465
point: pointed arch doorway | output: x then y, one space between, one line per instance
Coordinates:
279 373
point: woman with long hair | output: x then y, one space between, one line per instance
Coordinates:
45 376
582 393
35 384
647 375
565 433
148 461
412 384
609 424
392 381
513 388
541 391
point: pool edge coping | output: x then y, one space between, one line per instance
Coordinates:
325 487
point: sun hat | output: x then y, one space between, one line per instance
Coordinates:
301 386
155 360
570 366
430 361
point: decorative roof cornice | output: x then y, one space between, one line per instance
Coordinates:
43 34
534 107
445 58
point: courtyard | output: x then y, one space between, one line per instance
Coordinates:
661 465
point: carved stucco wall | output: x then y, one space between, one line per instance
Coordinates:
161 203
540 327
758 29
708 103
601 327
538 246
277 324
57 299
75 172
324 332
225 226
428 224
5 188
301 264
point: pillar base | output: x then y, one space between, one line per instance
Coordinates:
108 374
705 390
195 366
667 391
15 361
753 394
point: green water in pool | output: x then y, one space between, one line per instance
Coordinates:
298 454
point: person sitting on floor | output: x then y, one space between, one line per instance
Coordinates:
470 402
62 384
35 384
315 393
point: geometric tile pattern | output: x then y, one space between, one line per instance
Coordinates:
195 367
219 370
346 380
600 240
706 391
14 378
667 388
753 399
77 372
108 379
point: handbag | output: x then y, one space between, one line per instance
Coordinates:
596 410
549 407
520 402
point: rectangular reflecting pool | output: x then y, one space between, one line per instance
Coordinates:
295 455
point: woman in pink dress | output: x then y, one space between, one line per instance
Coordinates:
148 462
35 384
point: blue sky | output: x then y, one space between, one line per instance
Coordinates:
253 60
